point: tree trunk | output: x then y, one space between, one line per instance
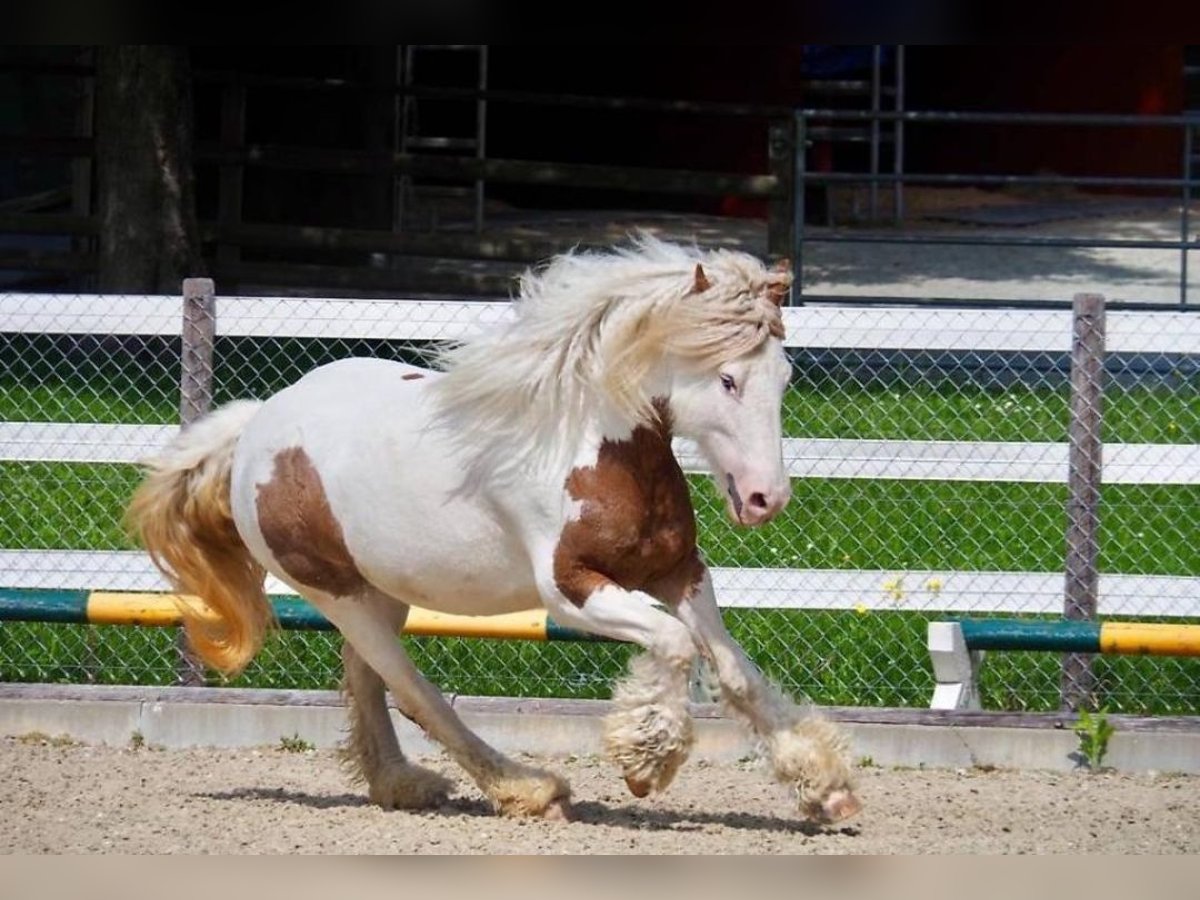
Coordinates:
149 239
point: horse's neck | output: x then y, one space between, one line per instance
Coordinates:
647 445
607 423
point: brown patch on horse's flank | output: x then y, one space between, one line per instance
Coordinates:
299 526
701 282
411 376
637 528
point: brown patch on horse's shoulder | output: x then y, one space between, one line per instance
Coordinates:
298 525
636 526
411 376
680 585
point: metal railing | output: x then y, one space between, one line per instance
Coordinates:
1186 186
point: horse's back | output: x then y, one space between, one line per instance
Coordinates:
346 472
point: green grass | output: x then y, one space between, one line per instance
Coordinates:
136 380
955 412
952 525
75 506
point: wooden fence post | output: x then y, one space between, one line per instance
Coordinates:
1083 485
195 399
199 332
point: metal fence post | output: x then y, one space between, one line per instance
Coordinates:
799 179
195 399
1083 485
781 143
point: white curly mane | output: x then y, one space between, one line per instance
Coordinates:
588 329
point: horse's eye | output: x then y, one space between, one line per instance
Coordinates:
728 383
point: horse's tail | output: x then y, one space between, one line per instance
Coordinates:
181 513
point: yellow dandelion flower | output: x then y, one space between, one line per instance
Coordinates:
894 588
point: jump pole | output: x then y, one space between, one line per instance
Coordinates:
162 611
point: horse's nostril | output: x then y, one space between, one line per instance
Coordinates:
758 500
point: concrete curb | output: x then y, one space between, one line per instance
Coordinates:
216 717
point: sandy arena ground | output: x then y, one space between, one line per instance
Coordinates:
71 798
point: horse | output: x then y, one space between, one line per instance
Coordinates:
532 467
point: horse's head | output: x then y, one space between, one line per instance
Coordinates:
731 407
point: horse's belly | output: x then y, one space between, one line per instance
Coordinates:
417 537
391 485
457 567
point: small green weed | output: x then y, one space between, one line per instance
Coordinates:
1093 730
40 737
295 744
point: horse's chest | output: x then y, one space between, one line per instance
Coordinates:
636 525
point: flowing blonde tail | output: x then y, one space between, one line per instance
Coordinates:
181 513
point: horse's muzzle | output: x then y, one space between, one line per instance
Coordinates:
756 508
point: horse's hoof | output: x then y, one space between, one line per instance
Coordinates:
840 805
531 793
412 787
558 811
637 787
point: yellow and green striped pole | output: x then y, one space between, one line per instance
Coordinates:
1070 636
162 610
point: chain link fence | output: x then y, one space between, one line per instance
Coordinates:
928 449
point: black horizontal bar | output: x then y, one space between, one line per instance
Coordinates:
493 96
34 67
515 171
948 117
915 178
866 300
46 145
948 240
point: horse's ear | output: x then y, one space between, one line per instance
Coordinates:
777 289
701 282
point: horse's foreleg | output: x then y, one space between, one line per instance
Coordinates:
649 733
512 788
807 752
373 751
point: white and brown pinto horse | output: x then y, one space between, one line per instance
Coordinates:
536 470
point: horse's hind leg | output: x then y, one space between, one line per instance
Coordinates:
512 788
373 751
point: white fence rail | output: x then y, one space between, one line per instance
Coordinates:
842 327
804 457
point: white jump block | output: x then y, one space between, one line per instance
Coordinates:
955 668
